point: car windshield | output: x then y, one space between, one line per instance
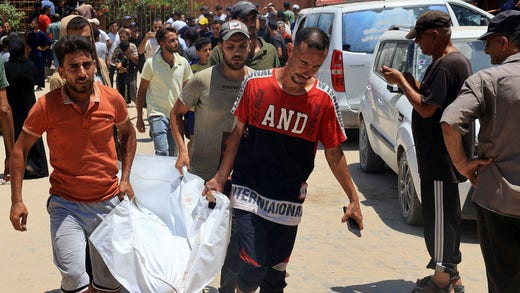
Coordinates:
471 48
369 25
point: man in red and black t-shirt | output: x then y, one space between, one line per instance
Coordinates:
281 114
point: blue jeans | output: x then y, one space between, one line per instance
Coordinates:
163 141
71 225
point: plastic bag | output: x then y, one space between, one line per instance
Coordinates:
167 239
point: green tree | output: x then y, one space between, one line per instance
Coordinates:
10 13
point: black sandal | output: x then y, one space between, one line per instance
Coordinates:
427 285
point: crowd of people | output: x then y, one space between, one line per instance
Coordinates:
242 89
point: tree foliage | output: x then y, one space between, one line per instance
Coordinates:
10 13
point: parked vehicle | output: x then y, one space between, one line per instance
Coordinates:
385 136
354 29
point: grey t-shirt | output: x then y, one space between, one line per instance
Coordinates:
212 96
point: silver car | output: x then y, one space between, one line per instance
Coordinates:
385 137
354 29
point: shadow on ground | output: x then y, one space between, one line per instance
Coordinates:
388 286
382 196
208 289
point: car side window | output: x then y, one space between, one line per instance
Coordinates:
325 22
468 17
400 57
420 63
322 21
474 50
312 20
302 20
362 29
384 56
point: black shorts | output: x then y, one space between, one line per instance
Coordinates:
189 124
265 249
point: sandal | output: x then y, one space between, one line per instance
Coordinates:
457 288
427 285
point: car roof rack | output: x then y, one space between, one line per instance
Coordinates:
398 27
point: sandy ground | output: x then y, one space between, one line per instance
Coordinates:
389 257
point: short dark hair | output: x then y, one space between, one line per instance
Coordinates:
124 45
313 37
201 42
77 23
55 17
273 24
191 35
112 22
281 15
286 5
72 44
161 34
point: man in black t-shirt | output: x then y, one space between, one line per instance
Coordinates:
439 178
278 42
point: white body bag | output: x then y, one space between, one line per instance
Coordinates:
167 239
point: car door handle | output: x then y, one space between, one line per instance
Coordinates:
401 117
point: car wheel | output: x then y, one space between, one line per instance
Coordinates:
409 203
369 161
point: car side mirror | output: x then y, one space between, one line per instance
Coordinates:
394 88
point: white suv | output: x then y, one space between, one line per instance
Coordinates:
354 29
385 133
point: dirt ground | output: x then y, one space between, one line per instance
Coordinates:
389 256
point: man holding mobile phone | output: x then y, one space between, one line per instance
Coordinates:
439 178
149 46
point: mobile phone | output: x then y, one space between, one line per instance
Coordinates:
352 225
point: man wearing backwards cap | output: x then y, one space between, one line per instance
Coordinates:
262 55
439 178
492 96
212 92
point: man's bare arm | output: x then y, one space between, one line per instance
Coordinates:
466 166
139 105
7 126
338 165
18 214
128 147
176 115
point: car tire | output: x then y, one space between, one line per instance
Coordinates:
369 161
409 204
